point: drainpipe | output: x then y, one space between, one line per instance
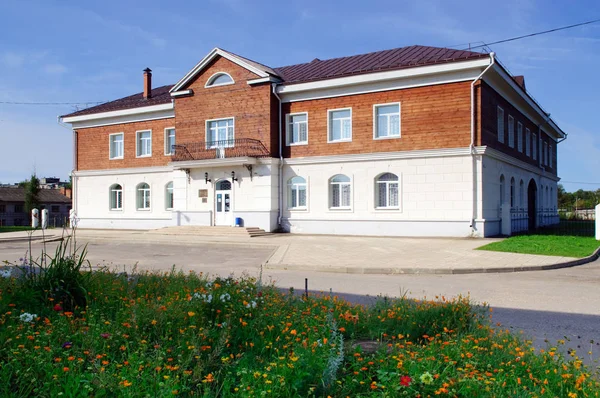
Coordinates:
73 178
280 190
472 144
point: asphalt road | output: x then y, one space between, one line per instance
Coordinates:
545 305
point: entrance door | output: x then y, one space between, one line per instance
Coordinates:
223 214
532 204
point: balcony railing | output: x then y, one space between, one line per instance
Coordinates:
241 147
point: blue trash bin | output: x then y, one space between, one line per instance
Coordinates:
238 221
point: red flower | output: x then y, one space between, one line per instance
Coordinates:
405 381
57 307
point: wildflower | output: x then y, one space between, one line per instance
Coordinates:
405 381
154 322
68 344
208 378
57 307
426 378
105 335
27 317
191 314
127 383
5 273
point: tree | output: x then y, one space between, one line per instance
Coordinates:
32 194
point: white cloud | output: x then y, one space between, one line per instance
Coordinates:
13 60
55 69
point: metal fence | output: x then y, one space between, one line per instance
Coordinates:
553 222
23 220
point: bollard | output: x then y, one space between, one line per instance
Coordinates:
44 218
72 218
35 218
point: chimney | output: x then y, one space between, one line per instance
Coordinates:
147 83
520 80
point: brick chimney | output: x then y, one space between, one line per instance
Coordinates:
147 83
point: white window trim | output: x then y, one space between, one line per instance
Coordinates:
110 144
511 131
392 137
520 137
393 209
167 138
288 132
302 208
329 112
207 129
167 195
500 132
215 75
137 187
329 197
137 143
110 191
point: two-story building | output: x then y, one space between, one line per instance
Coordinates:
414 141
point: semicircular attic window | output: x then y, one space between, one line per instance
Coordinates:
219 79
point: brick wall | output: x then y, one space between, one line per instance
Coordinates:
489 102
251 106
93 145
431 117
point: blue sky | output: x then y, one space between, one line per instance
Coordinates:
66 51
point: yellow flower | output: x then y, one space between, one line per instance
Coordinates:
191 314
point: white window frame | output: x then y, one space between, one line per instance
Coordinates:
137 144
137 193
329 125
167 193
110 197
290 187
500 123
209 83
520 137
207 130
110 139
168 149
527 142
534 143
511 131
387 137
331 184
289 131
387 192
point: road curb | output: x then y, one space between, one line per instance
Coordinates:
50 238
435 271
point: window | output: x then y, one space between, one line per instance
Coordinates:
339 125
115 146
144 143
116 197
297 129
534 147
511 131
387 121
512 192
520 137
550 154
545 153
297 193
55 209
500 125
522 194
169 195
169 140
18 208
387 191
502 196
143 196
340 192
220 133
219 79
527 142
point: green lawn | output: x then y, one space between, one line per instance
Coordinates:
549 245
14 229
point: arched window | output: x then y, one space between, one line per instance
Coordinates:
522 194
386 191
512 192
223 185
340 192
143 196
116 197
219 79
297 193
502 195
169 195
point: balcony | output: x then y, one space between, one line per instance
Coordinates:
224 149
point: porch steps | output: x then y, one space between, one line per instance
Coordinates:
250 232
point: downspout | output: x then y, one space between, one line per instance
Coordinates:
472 144
280 188
73 178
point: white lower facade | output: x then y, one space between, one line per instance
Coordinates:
432 193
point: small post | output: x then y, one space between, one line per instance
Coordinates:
44 218
598 222
305 287
35 218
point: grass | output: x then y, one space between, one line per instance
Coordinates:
549 245
14 229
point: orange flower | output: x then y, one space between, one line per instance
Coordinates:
127 383
208 378
293 332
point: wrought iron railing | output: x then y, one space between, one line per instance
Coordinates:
205 150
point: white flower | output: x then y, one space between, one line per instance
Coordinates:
225 297
251 304
5 273
27 317
208 298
